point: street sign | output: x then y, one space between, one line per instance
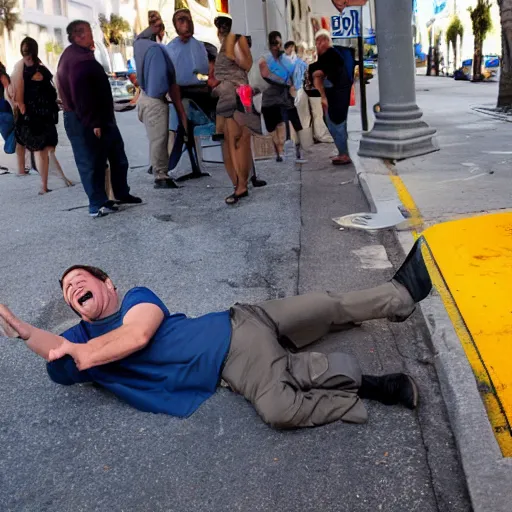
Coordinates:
347 25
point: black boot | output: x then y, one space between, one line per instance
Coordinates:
413 274
392 389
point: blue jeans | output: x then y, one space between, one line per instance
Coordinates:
339 134
91 155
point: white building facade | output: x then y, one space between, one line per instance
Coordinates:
46 22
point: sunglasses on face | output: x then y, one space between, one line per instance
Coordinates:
275 43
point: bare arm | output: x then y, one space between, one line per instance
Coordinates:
243 55
139 326
7 89
175 94
212 81
39 341
19 86
318 82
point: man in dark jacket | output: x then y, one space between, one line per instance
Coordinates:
90 123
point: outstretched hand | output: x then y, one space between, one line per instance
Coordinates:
77 351
11 326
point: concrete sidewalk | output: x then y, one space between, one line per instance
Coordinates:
470 176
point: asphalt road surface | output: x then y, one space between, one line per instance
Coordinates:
78 448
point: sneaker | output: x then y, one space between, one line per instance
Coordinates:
110 207
129 199
391 389
301 160
98 213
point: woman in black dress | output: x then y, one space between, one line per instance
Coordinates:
37 101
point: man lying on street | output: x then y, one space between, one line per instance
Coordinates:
168 363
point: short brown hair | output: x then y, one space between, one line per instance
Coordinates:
180 11
94 271
73 27
153 17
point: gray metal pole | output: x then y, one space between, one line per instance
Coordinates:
398 132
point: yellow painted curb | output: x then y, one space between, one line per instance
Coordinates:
470 265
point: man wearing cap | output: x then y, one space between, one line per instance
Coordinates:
331 78
167 363
157 78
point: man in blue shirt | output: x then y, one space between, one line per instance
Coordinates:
157 78
194 62
168 363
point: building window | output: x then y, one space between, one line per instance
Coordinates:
57 7
58 36
39 5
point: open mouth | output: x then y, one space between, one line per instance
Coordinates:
84 298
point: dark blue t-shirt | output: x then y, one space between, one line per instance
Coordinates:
174 374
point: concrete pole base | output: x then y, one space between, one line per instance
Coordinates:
398 133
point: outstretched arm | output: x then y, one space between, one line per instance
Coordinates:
39 341
139 326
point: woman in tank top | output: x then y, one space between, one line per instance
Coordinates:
231 67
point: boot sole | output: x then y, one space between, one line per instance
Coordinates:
415 393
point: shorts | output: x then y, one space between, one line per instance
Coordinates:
276 115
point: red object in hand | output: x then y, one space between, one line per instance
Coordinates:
245 94
353 96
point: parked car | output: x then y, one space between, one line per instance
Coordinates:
123 92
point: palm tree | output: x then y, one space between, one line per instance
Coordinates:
115 29
505 91
9 18
482 24
8 15
454 31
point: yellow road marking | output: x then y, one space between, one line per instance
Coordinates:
473 283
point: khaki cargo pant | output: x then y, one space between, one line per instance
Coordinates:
154 113
304 389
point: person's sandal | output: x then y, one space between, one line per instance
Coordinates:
257 182
341 160
234 198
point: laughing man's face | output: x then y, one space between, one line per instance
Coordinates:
90 297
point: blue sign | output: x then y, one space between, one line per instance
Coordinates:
439 6
347 24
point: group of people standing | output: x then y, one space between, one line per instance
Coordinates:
213 79
217 81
